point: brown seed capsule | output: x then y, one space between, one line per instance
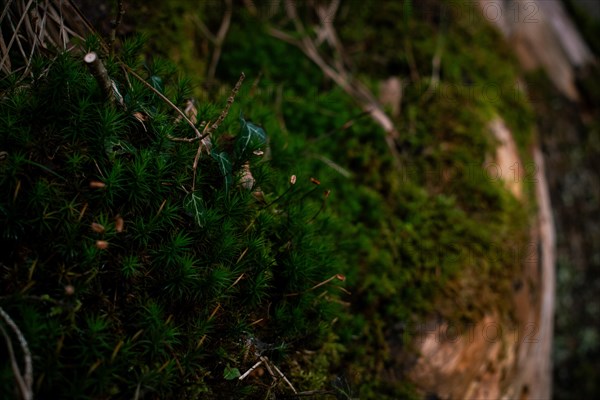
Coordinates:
119 224
140 117
69 290
97 185
260 196
315 181
97 227
102 244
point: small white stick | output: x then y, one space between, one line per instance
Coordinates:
268 365
250 370
284 378
99 72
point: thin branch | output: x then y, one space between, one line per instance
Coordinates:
59 20
327 17
208 130
204 143
25 382
5 9
285 378
186 140
34 32
15 34
136 395
205 31
265 361
19 45
242 377
87 24
205 137
13 363
292 183
3 50
360 93
225 111
313 393
99 72
166 100
219 40
61 24
115 25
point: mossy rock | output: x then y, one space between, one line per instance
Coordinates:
175 304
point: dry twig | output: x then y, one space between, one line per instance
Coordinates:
41 26
205 142
217 40
24 381
275 372
170 103
338 73
230 100
115 25
99 72
203 137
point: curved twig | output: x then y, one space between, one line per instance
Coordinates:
359 92
24 381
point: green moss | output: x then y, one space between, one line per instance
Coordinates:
163 304
441 236
203 274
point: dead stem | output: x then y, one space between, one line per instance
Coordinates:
115 25
24 381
